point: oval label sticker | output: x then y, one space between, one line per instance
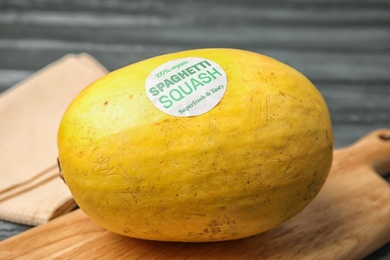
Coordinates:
186 87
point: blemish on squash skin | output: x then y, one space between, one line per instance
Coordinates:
101 165
265 106
328 139
214 227
105 103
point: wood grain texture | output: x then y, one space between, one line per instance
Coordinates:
345 221
342 46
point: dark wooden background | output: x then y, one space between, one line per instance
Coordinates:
343 46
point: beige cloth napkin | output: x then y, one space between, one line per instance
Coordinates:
30 190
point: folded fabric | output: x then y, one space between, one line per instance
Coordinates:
30 190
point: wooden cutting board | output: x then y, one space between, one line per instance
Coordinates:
348 219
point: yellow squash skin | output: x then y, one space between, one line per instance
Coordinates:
246 166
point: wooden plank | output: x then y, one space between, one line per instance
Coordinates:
337 67
183 32
221 15
347 220
123 5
